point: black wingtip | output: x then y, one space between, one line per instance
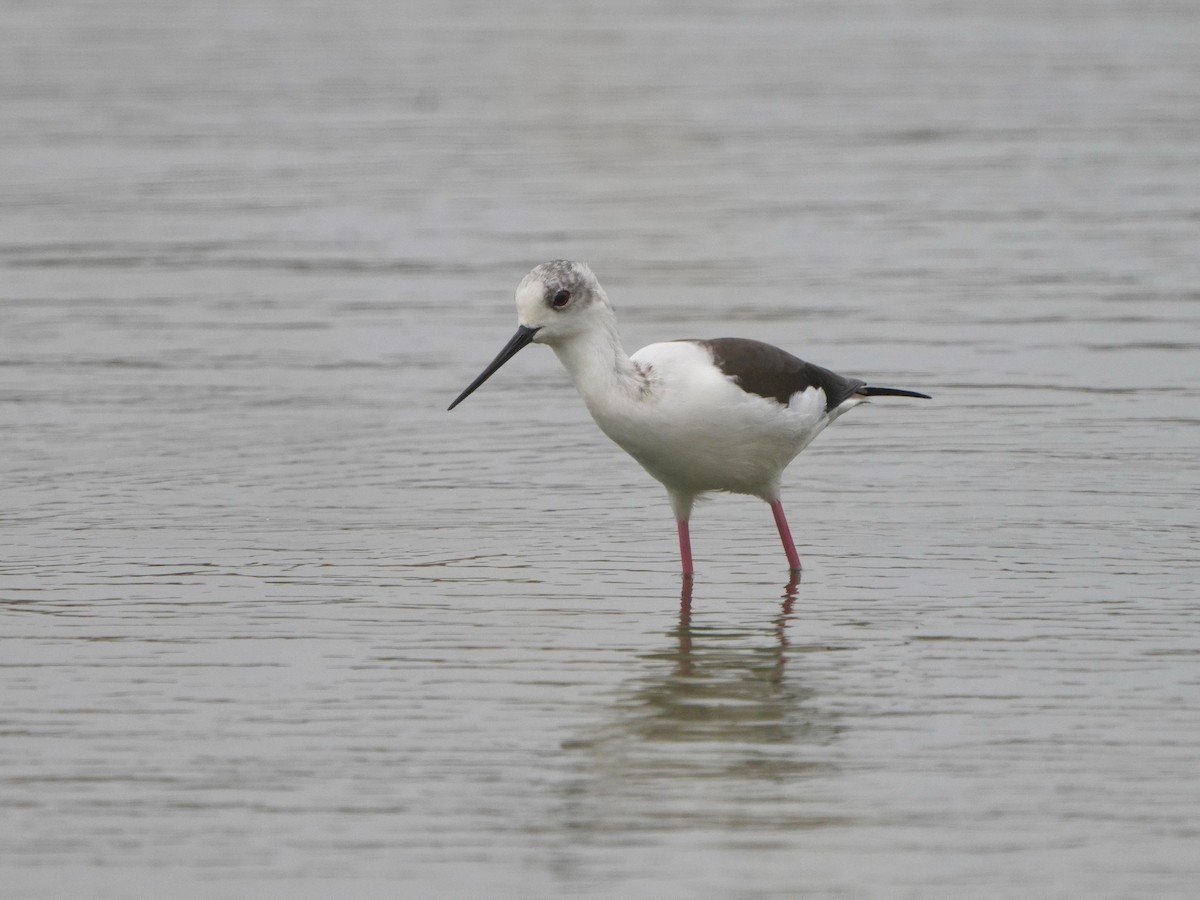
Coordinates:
891 392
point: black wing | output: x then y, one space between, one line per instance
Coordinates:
767 371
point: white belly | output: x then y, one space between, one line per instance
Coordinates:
695 430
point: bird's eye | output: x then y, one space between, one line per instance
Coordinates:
561 299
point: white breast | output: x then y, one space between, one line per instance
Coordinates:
694 429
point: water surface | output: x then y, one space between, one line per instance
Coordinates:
273 623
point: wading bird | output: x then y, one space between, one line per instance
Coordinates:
727 414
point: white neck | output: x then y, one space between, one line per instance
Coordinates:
599 368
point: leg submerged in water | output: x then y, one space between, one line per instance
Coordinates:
785 535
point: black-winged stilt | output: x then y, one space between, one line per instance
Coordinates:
727 414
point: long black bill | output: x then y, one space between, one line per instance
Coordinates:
523 336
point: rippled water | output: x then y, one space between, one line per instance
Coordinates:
273 623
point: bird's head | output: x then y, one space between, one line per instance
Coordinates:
561 299
556 301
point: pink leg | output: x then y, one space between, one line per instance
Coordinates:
785 535
685 545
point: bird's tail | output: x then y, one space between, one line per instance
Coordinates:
890 392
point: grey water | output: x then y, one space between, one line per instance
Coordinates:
275 624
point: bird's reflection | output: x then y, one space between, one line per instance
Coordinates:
725 681
790 590
715 719
720 685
